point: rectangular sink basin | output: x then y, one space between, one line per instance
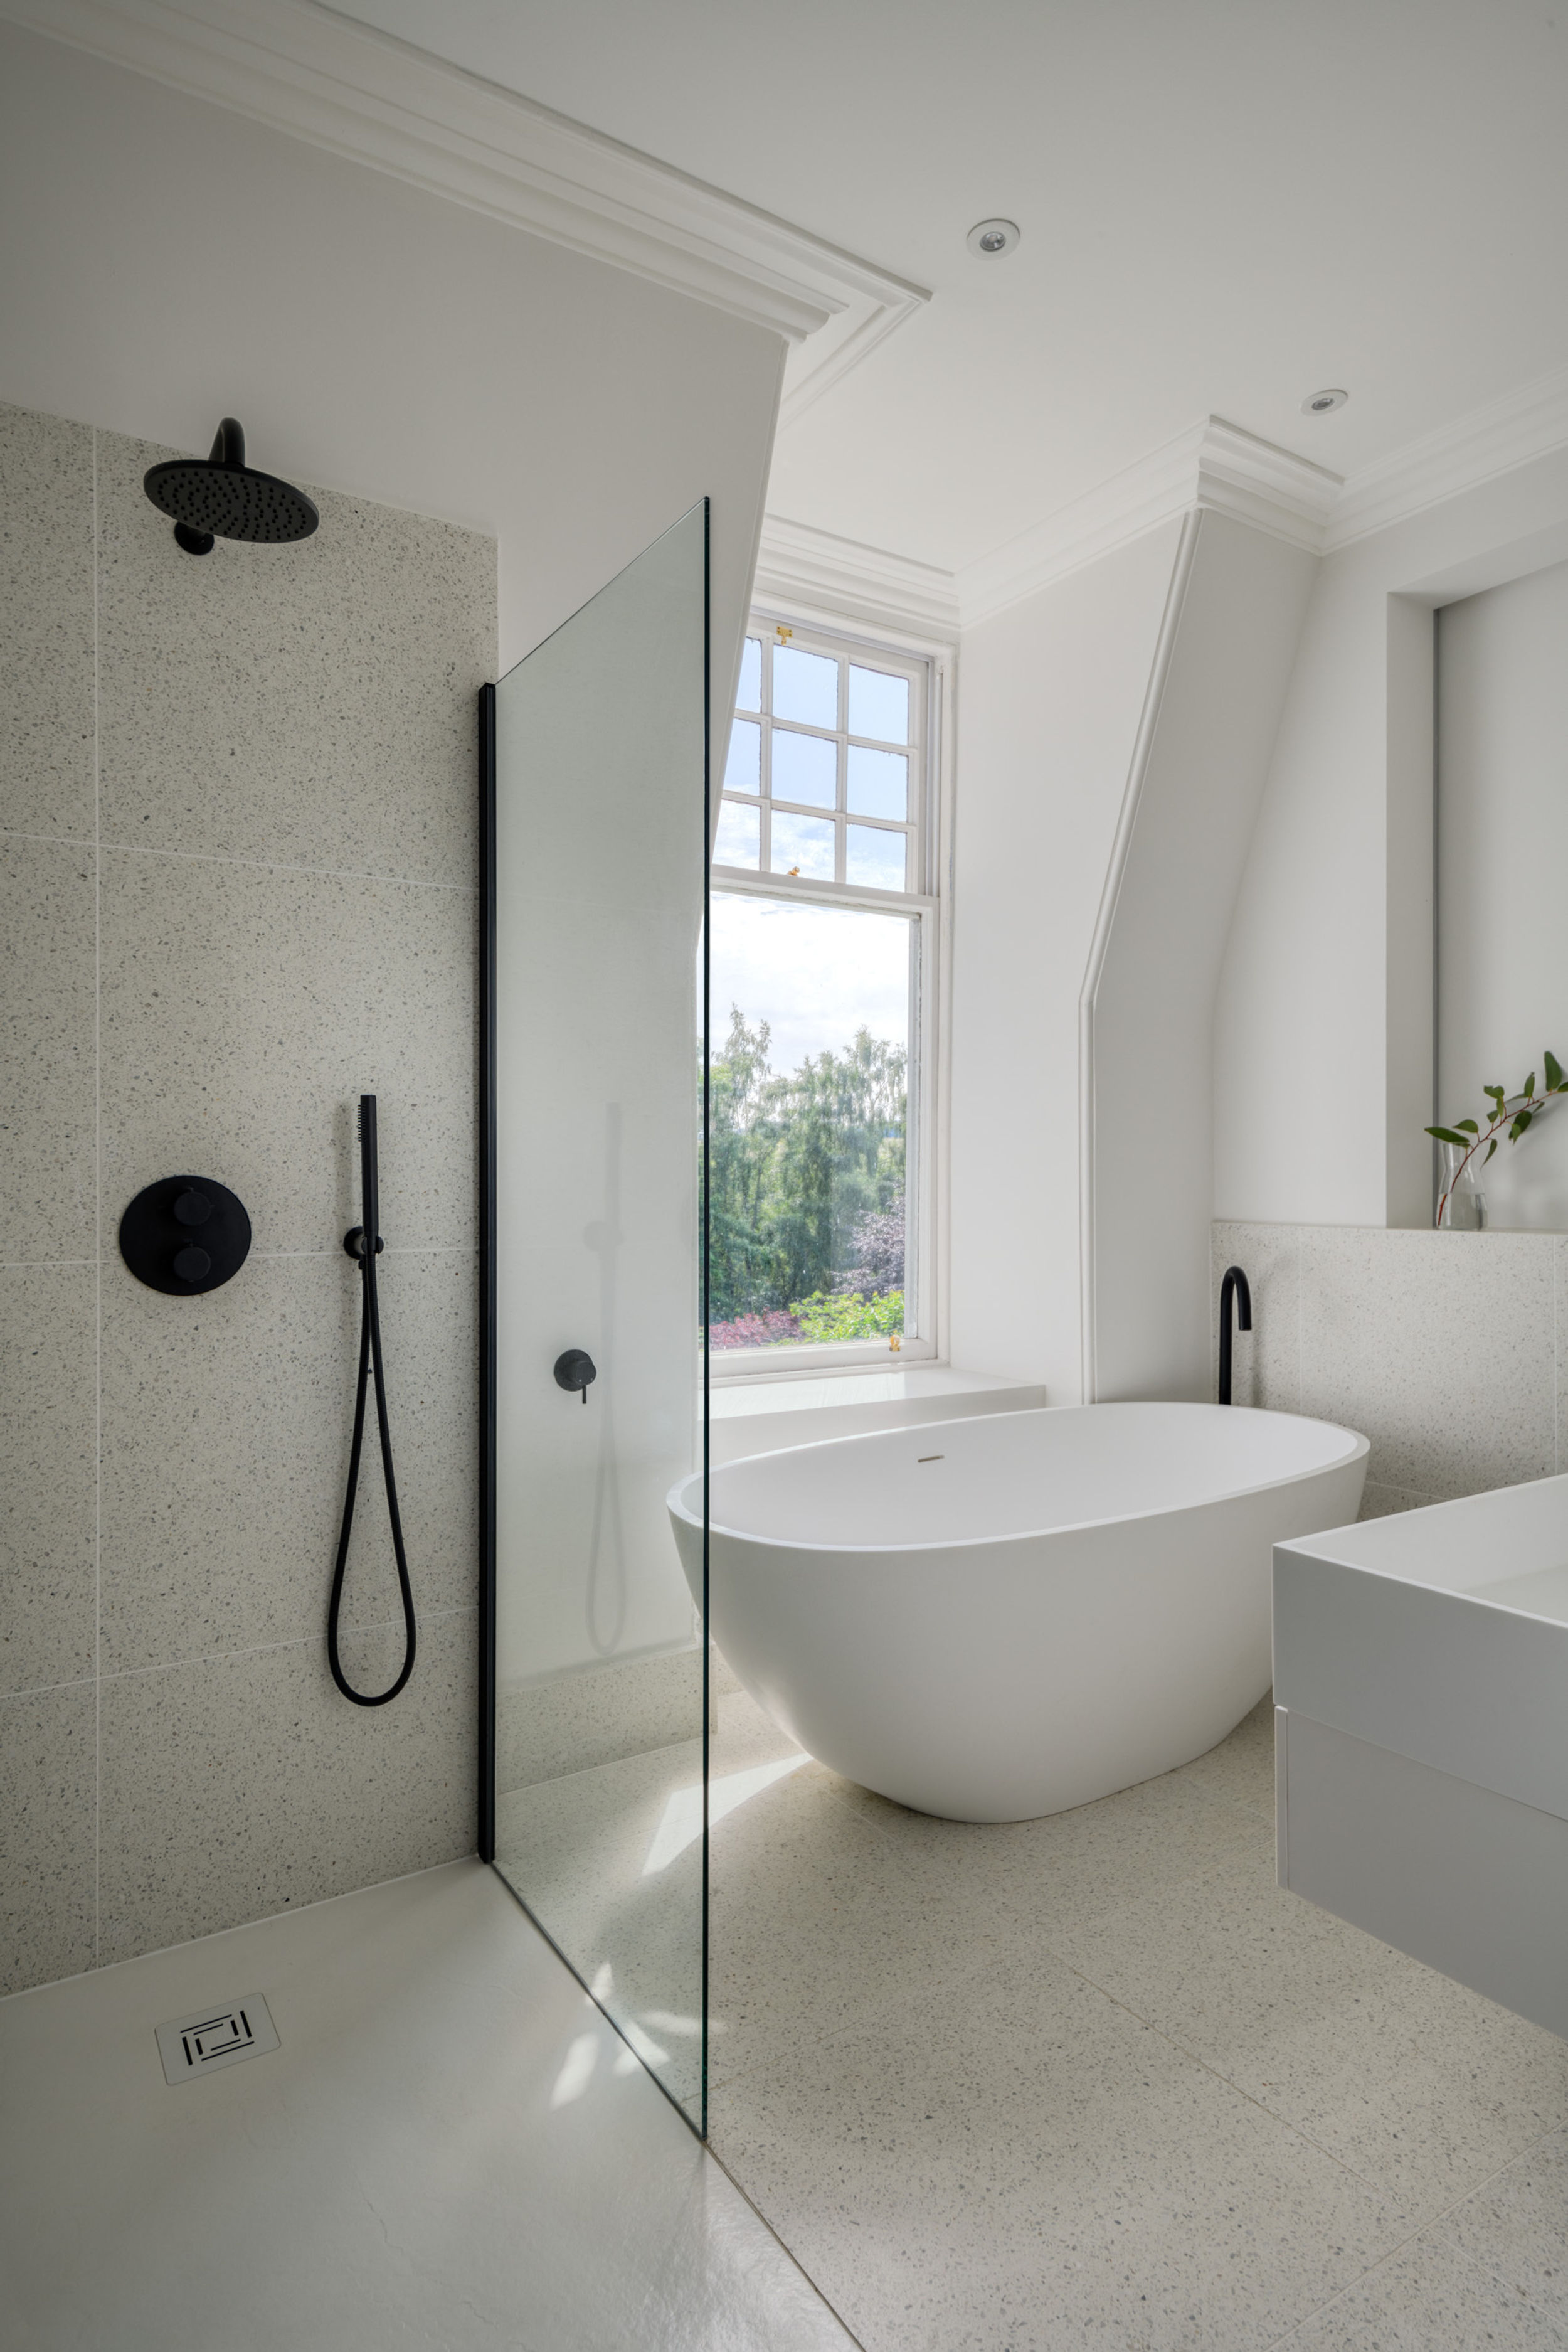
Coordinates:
1421 1684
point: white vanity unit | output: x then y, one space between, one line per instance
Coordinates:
1421 1682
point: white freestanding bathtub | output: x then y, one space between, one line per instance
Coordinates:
1000 1617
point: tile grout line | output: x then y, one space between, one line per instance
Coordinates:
283 865
97 1243
264 1649
1431 2223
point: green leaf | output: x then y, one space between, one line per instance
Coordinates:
1554 1071
1528 1088
1520 1124
1447 1135
1468 1125
1497 1092
1491 1147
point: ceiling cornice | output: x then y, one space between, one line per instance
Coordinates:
1526 424
820 576
304 69
1213 464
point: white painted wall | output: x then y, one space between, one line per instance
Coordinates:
166 262
1324 1026
1239 599
1050 700
1502 838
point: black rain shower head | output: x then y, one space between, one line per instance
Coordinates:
222 497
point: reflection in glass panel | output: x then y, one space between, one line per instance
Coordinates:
878 783
743 771
805 768
598 877
810 1034
739 841
803 844
874 859
879 705
749 697
805 686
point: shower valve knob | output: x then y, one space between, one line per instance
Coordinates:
574 1369
158 1236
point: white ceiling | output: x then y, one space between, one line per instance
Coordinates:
1225 205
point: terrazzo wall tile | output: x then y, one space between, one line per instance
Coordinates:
313 704
245 1785
47 913
46 778
49 1498
47 1834
249 1391
1440 1347
1266 1367
279 746
245 1008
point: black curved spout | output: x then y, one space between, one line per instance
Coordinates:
1233 1285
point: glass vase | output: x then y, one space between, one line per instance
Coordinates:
1462 1202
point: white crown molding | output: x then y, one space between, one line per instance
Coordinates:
818 576
302 69
1212 465
1526 424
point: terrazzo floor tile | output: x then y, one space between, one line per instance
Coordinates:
48 1910
1430 2299
1033 2166
1516 2228
1240 1771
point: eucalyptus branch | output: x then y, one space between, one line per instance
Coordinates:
1514 1112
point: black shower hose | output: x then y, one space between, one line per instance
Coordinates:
364 1241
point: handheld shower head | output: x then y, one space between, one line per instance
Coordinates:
222 497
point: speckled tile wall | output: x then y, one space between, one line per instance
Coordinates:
1450 1351
237 825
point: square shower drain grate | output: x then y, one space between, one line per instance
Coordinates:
211 2038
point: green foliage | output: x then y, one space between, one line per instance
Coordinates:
839 1315
794 1163
1514 1113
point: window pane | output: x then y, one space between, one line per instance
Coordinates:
803 844
739 835
879 705
879 783
749 694
810 1016
876 860
805 686
743 771
805 768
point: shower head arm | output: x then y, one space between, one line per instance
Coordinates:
228 444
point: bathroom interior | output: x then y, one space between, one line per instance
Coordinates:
785 1487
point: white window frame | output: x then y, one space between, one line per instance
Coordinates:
930 667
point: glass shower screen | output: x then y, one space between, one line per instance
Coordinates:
594 1755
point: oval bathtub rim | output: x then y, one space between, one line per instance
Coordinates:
1360 1447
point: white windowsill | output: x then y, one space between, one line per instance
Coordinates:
764 1416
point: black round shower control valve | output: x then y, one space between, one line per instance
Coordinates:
574 1369
185 1235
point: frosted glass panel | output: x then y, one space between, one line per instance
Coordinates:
879 705
595 906
749 697
878 783
805 768
805 686
803 844
874 859
739 839
744 771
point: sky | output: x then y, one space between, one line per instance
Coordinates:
815 973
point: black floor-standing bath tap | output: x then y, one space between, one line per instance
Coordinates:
1232 1286
364 1243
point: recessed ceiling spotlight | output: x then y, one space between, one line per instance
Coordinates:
1318 404
993 236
